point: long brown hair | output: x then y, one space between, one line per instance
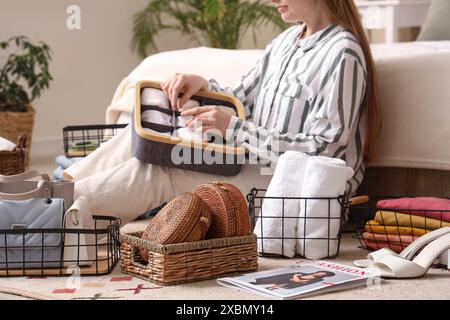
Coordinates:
346 14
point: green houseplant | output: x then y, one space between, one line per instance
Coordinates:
23 77
222 23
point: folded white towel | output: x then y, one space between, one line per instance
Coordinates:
286 182
6 145
154 97
154 116
324 177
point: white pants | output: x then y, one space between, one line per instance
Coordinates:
115 183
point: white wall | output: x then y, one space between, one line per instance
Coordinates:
89 63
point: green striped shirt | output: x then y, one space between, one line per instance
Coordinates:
305 95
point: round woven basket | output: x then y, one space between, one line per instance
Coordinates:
229 210
15 124
184 219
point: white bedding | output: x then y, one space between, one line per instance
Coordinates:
414 80
405 49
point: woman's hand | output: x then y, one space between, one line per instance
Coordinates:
187 83
211 117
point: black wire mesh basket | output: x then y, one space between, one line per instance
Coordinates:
94 251
318 224
381 225
79 141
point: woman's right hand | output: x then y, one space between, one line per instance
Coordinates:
189 84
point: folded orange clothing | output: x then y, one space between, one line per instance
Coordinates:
395 239
392 218
373 226
377 245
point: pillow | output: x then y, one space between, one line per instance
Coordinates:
437 23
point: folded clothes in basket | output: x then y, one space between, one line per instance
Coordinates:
430 207
391 218
395 246
374 227
158 118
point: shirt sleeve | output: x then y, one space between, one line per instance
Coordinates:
339 109
247 86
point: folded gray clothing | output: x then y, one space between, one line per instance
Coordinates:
154 97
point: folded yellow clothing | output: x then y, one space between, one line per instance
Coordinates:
374 227
391 218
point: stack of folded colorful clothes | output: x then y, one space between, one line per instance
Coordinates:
63 163
399 222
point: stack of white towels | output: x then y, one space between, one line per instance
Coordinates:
308 227
155 97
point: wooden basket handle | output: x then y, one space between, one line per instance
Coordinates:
358 200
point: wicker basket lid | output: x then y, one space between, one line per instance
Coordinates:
184 219
229 210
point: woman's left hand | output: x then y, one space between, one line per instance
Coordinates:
211 117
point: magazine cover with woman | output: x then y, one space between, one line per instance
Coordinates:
300 281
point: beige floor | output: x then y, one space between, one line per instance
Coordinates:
435 285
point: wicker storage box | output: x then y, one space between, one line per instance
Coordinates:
187 262
156 147
14 162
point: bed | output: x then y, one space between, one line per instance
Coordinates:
414 150
414 78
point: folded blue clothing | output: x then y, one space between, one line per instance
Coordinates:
58 174
65 162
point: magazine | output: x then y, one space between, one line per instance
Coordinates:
301 281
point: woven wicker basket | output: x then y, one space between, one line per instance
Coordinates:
187 262
14 124
13 162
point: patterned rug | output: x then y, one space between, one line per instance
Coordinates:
110 287
118 286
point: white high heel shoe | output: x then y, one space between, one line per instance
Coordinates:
391 266
408 253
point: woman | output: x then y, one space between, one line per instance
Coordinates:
292 280
314 90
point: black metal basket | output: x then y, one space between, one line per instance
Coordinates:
257 196
30 260
79 141
392 228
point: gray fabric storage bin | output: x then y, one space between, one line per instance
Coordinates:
25 250
157 148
